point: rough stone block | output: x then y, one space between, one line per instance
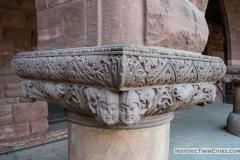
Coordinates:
9 2
200 4
12 18
7 57
7 65
40 126
5 121
12 86
28 4
9 100
6 47
54 3
14 131
10 79
62 27
122 22
23 100
5 111
29 112
31 22
175 24
41 5
13 93
21 37
6 72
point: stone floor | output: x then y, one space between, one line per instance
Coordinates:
195 127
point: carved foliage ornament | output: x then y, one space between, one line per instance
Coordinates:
125 108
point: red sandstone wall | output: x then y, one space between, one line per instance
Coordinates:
233 14
81 23
18 32
216 40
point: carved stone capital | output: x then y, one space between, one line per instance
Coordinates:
119 67
124 109
232 74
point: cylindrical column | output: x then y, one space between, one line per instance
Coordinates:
236 106
90 143
233 121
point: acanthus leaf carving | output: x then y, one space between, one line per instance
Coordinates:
124 107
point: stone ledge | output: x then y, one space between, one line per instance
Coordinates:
119 67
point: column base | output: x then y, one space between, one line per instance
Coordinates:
233 124
88 143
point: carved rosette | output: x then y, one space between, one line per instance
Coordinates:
119 86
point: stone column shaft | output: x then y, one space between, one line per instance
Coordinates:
236 98
233 120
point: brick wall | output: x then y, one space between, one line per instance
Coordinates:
216 40
233 15
18 32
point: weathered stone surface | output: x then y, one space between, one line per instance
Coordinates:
6 121
28 4
141 144
13 93
175 24
6 47
9 100
41 5
10 79
12 18
21 37
6 72
5 111
14 131
55 3
200 4
39 126
9 2
122 22
12 86
62 27
29 112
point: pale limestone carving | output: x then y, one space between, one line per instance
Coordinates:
118 68
124 107
232 74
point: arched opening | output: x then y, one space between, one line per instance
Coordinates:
219 43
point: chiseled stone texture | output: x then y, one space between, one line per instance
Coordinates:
98 144
200 4
167 23
28 112
175 24
14 131
39 126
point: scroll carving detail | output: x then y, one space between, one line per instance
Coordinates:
113 108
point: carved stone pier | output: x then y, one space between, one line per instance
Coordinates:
137 63
233 121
